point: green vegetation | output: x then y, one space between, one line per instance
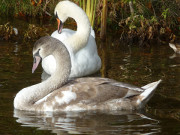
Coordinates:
30 8
143 20
7 31
133 20
90 7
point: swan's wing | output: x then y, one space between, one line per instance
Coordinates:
66 33
101 81
104 89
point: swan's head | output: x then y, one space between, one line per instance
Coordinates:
63 11
43 47
61 14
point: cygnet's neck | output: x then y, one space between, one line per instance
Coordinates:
27 97
81 36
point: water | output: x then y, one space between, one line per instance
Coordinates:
127 63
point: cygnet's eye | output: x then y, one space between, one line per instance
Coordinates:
37 53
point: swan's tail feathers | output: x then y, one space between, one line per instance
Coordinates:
149 89
173 47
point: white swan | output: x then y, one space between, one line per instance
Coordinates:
175 47
58 94
81 44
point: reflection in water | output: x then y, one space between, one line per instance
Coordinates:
114 122
16 49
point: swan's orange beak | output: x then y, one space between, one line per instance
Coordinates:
36 62
60 25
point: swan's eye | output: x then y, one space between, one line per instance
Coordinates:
56 15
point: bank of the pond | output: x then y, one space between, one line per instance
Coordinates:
139 22
20 30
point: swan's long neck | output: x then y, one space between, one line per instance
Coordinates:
27 97
81 36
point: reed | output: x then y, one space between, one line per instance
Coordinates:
89 6
103 20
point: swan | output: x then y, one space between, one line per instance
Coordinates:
175 47
81 44
57 93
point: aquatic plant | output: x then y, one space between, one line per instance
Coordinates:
89 6
34 32
103 19
145 20
7 31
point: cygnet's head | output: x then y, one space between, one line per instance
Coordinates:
46 46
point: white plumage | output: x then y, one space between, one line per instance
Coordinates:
81 44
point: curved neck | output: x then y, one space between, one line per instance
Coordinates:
27 97
81 36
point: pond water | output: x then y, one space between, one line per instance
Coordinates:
122 62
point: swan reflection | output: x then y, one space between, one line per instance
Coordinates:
114 122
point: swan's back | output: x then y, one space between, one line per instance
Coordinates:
86 61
